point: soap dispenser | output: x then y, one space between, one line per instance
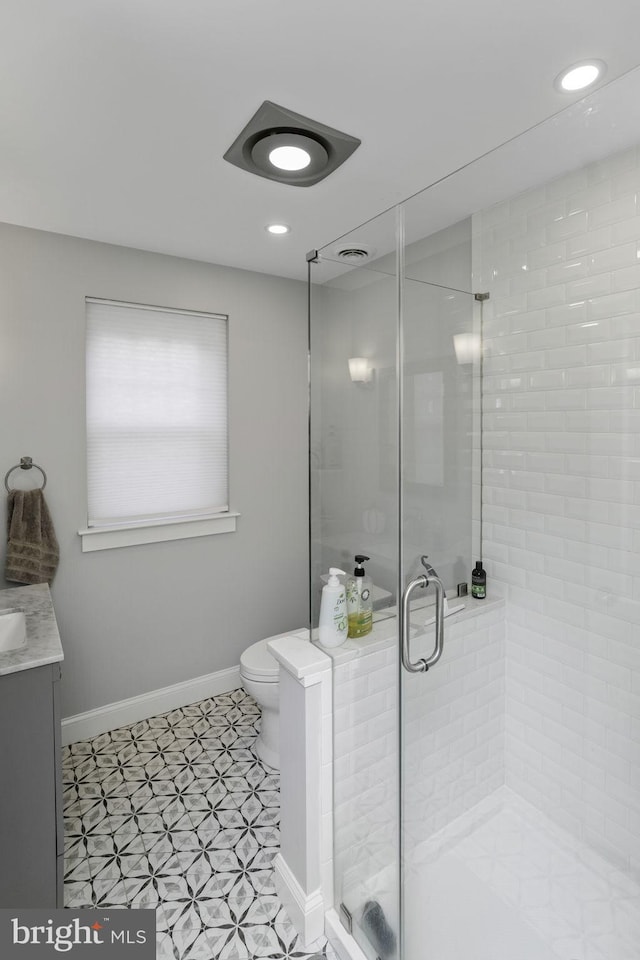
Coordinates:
332 627
359 600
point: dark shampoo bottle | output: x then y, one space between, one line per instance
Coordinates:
479 581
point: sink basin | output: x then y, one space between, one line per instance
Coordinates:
13 630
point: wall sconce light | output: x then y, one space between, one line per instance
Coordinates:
467 347
360 370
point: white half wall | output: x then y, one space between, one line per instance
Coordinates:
304 866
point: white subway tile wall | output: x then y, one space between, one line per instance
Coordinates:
453 730
365 769
453 718
562 492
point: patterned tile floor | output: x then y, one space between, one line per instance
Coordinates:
178 813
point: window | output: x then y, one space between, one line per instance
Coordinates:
156 420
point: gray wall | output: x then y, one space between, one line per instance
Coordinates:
138 618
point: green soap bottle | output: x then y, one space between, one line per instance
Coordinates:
479 582
359 601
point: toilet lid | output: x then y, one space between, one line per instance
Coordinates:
256 663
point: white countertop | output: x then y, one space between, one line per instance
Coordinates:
43 640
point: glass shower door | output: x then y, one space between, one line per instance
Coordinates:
354 510
439 506
392 477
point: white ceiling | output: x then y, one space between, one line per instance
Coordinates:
115 114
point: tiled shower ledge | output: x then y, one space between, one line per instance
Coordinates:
385 627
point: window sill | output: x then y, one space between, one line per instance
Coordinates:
129 535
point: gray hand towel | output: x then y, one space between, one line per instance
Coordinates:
32 550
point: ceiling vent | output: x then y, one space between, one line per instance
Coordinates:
353 254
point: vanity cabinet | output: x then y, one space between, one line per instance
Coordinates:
31 825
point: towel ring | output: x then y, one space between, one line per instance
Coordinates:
26 463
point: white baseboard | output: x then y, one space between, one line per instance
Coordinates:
306 910
341 941
84 726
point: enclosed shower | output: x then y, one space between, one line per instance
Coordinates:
475 396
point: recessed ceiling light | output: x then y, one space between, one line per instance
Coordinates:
277 229
289 155
290 158
580 75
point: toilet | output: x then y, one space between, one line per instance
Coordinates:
259 677
259 673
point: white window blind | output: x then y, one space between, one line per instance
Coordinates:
156 413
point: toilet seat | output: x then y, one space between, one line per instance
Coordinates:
256 663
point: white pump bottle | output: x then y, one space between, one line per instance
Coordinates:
332 627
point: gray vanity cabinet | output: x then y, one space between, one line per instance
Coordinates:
31 827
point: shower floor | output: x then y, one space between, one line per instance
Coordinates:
503 882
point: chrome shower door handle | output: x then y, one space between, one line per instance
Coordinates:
439 644
419 666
